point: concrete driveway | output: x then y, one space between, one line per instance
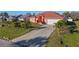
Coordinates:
35 38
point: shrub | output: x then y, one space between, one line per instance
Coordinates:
61 23
28 24
17 24
3 25
62 26
71 26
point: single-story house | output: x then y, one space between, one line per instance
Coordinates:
3 18
9 18
47 18
70 19
21 18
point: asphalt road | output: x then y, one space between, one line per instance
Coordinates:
35 38
4 43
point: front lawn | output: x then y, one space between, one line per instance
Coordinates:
9 31
54 40
71 40
12 32
77 23
65 40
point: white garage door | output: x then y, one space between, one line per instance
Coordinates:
51 21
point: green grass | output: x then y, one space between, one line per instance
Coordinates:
71 40
54 40
77 23
11 32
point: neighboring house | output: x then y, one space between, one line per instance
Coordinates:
75 15
21 18
9 18
70 19
47 18
5 18
2 18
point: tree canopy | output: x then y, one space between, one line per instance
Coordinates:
67 14
4 14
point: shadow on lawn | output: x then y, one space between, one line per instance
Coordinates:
36 42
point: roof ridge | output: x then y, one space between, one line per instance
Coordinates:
51 14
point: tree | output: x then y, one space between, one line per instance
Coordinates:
67 14
72 26
28 14
33 14
4 14
15 19
17 24
61 23
61 28
27 20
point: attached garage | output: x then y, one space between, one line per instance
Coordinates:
52 21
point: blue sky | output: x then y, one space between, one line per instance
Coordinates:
24 12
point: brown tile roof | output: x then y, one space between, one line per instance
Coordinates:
51 15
